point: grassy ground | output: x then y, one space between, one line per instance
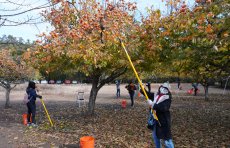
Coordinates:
195 122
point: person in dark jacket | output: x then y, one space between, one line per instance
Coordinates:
161 105
195 86
131 89
178 83
118 94
148 84
31 105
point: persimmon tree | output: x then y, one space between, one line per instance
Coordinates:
12 71
209 43
85 39
190 40
159 41
199 34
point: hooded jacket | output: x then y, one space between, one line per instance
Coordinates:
161 104
32 95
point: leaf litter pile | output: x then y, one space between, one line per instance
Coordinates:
195 123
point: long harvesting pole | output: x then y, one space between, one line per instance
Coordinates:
47 113
135 72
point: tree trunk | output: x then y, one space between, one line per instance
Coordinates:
7 105
93 96
98 82
206 92
221 84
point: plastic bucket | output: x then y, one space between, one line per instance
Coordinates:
190 91
87 142
24 118
139 94
123 103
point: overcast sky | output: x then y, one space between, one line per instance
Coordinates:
30 31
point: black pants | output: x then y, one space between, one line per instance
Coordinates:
31 111
178 85
195 91
118 93
131 94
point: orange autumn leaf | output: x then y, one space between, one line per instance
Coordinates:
209 29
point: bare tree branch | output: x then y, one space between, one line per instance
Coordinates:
35 8
8 19
28 22
16 3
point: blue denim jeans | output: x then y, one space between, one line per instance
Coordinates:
167 143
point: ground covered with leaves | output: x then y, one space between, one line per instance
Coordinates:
195 123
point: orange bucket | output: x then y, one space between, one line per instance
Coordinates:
24 118
87 142
123 103
139 94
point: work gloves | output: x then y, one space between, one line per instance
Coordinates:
150 102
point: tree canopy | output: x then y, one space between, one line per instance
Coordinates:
191 41
86 39
188 42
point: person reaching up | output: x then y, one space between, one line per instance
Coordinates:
161 105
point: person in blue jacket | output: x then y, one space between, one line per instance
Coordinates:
31 105
195 86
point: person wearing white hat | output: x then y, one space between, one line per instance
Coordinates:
161 105
167 85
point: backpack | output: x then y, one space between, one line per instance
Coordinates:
26 98
151 121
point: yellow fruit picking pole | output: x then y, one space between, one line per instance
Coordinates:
135 72
46 112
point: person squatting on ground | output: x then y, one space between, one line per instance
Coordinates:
161 104
118 94
31 105
131 89
195 86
